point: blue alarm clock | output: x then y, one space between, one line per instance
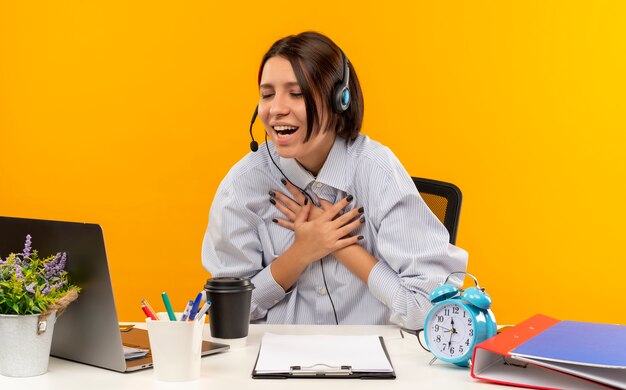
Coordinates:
459 320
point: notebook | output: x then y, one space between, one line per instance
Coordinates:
88 331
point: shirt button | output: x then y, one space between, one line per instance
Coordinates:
275 301
317 185
322 291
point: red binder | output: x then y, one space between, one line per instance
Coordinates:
492 361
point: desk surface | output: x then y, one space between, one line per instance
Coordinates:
231 370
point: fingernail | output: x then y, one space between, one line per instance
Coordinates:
362 219
272 201
359 237
349 198
306 201
275 220
272 194
283 181
361 210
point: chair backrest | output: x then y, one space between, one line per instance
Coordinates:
444 199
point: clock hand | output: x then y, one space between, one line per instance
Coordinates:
452 331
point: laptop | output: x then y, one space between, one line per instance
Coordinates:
88 331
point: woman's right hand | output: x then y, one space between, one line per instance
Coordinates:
320 235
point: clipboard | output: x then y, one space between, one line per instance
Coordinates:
353 369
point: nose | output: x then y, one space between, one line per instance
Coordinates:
279 105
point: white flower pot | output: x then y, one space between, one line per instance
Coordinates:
23 352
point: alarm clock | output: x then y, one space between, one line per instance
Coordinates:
459 320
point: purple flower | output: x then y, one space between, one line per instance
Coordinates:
27 246
62 261
52 268
46 289
31 288
59 284
18 272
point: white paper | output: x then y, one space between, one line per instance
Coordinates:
279 353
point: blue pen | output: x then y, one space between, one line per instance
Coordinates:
194 309
187 311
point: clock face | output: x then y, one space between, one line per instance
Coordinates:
451 331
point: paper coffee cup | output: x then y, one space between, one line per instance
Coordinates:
230 307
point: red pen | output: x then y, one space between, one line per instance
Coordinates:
148 313
145 302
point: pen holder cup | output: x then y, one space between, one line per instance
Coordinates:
176 347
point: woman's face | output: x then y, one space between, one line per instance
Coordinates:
283 113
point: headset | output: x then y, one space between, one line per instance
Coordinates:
340 101
341 92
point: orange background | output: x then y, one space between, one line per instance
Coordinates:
129 113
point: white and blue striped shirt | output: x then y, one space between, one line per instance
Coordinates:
400 231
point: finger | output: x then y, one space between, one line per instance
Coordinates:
344 242
295 192
347 217
290 214
324 204
287 201
346 229
333 210
303 215
286 224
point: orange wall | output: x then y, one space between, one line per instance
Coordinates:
129 113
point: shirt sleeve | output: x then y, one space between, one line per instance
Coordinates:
413 250
232 247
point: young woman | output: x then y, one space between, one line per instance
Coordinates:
325 221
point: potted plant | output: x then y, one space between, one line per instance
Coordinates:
34 291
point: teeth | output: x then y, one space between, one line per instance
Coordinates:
283 128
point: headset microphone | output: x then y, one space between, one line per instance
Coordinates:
254 146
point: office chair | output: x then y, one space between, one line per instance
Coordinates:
444 200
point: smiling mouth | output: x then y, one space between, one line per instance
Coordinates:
284 131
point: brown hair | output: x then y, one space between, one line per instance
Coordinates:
318 65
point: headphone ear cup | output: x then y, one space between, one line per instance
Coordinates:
341 98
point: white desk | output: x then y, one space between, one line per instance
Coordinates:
232 370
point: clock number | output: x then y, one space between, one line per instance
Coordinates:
446 312
471 332
469 321
436 328
455 310
451 350
467 342
444 347
439 318
460 348
438 339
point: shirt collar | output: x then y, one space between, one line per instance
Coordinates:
334 172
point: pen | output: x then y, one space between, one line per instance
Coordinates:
152 311
187 311
196 305
204 309
148 312
168 306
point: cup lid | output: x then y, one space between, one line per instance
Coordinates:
228 284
